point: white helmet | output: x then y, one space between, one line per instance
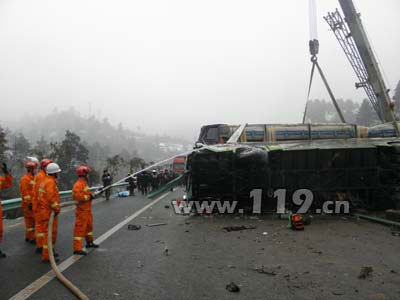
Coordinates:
53 168
34 159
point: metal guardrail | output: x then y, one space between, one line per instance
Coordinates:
15 203
166 187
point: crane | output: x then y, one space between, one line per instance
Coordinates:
351 35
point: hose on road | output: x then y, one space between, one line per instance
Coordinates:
77 292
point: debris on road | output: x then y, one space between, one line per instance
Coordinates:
134 227
379 296
296 222
155 224
395 230
167 206
238 228
365 272
232 287
392 215
338 293
307 219
271 271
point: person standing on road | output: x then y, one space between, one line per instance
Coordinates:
27 191
146 179
107 181
131 185
35 204
83 212
5 183
49 201
140 182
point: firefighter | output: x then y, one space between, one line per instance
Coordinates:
35 203
49 201
27 191
5 182
83 213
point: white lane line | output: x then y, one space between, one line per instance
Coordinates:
46 278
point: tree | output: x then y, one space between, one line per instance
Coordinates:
3 143
136 164
322 111
317 111
114 163
366 115
349 110
69 154
41 148
20 149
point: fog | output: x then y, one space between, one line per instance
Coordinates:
169 66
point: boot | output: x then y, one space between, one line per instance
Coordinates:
2 254
91 245
39 250
80 252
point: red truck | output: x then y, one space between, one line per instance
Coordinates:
178 165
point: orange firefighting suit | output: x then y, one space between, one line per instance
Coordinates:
48 201
35 205
83 214
27 191
5 182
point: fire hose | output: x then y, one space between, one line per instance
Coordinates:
77 292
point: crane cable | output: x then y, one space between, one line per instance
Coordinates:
309 90
314 49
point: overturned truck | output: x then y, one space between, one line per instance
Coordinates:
332 162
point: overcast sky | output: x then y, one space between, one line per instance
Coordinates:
173 65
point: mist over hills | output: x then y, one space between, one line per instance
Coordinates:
96 133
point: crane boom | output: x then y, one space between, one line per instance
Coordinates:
374 80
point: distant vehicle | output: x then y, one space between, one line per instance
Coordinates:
178 165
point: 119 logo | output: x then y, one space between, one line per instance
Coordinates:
301 197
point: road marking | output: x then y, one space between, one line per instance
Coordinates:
46 278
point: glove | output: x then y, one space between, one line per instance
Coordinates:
4 168
30 206
56 212
92 196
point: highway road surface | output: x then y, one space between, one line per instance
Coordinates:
193 257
